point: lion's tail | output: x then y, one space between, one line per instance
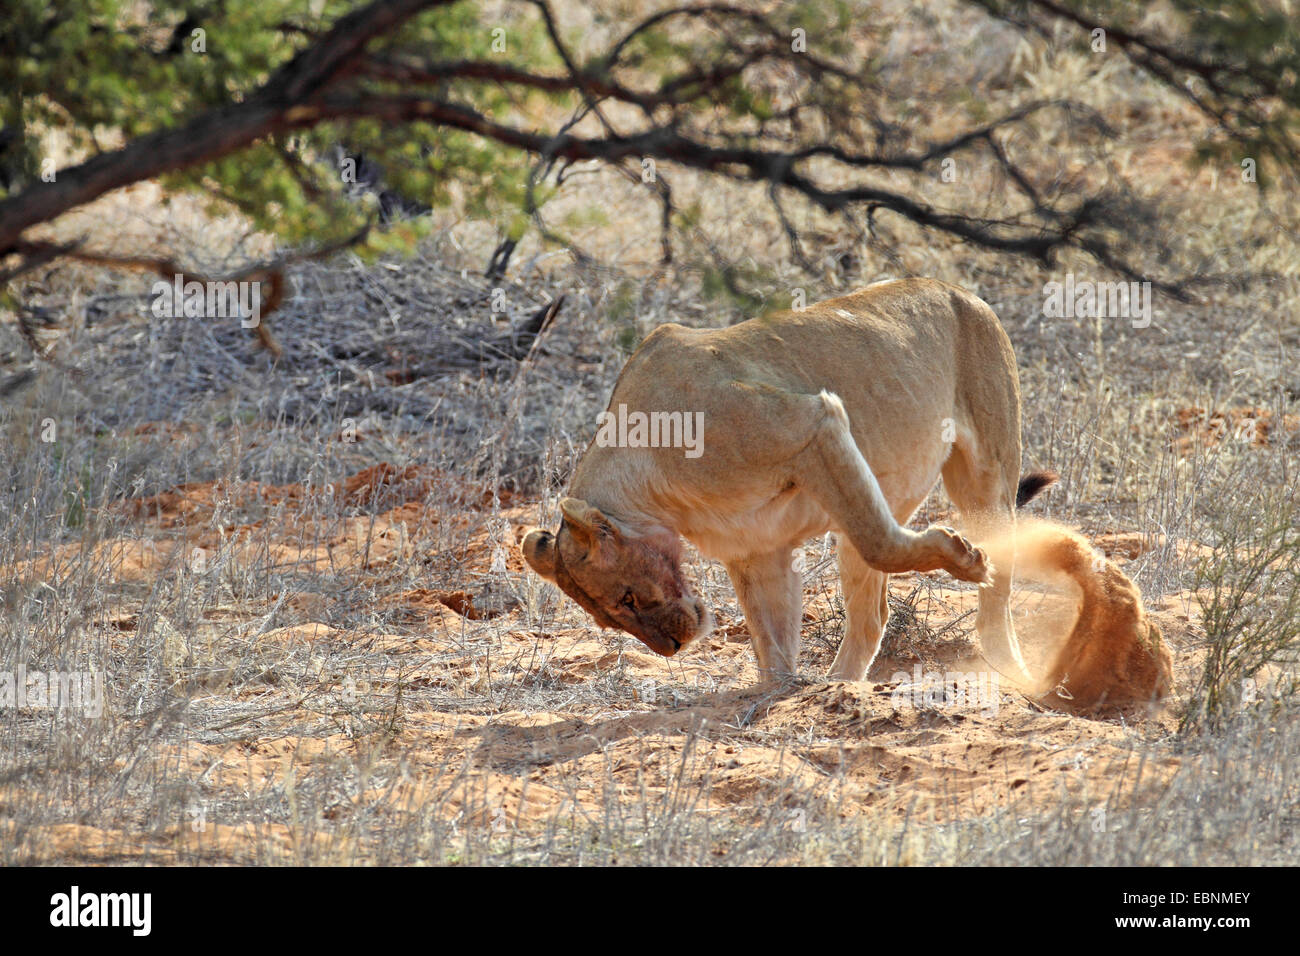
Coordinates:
1031 484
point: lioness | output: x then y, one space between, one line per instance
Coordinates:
840 416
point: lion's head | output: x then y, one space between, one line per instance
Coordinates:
634 584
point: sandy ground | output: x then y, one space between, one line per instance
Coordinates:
501 706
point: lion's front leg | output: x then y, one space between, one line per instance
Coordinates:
832 471
866 600
771 593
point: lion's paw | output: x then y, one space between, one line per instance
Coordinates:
965 561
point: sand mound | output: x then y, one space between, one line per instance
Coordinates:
1114 656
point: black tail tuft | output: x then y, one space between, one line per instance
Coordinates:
1031 484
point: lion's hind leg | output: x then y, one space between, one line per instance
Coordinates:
986 496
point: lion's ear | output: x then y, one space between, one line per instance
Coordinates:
587 524
539 551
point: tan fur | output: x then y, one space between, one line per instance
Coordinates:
841 417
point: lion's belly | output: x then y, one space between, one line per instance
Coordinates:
790 519
782 522
906 488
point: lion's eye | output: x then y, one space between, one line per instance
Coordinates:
629 600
